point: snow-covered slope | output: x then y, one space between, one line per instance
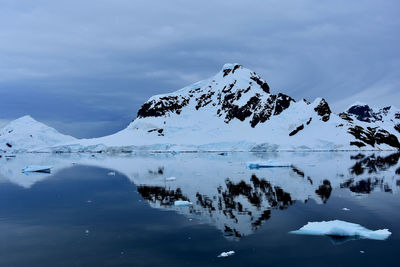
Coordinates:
236 110
25 134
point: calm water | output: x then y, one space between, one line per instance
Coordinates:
83 215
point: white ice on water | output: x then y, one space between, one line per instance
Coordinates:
182 203
268 164
36 168
226 254
341 228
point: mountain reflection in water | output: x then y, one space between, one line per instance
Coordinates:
224 193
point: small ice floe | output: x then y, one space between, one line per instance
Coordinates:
169 179
37 168
111 173
362 251
182 203
268 164
337 228
345 209
88 201
226 254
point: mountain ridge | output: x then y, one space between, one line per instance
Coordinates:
236 110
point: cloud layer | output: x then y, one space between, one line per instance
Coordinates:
86 67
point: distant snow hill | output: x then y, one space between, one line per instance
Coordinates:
235 110
26 134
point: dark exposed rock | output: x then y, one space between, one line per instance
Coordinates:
295 131
226 72
384 137
241 113
323 110
237 66
357 143
397 127
282 103
345 116
363 113
159 131
163 106
309 121
9 145
261 83
204 100
263 112
365 135
374 136
397 116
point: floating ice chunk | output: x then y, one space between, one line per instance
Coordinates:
341 228
226 254
37 168
111 173
345 209
268 164
172 178
182 203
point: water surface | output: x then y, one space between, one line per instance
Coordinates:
117 210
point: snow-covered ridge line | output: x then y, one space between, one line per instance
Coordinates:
235 110
26 134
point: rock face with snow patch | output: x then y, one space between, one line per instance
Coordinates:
25 133
372 127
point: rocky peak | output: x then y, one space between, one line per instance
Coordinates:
233 93
323 109
362 112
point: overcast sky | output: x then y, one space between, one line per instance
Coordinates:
85 67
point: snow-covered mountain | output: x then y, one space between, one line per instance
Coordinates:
235 110
25 134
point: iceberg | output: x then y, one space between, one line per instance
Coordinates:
182 203
226 254
268 164
37 168
337 228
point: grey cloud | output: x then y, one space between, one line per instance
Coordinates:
96 62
